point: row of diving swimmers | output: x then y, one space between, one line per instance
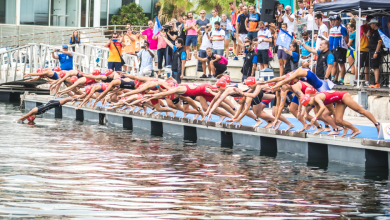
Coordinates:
301 89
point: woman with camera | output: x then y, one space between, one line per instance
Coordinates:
171 36
161 47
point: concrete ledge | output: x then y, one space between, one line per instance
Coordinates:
251 142
173 129
296 147
114 120
207 134
142 124
91 116
347 155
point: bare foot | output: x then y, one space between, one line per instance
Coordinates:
258 123
319 131
269 125
345 132
356 133
290 127
327 129
184 115
340 128
222 118
278 125
153 111
195 116
301 130
307 126
333 133
174 113
314 128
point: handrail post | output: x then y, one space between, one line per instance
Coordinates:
16 64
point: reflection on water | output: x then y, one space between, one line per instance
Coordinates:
69 169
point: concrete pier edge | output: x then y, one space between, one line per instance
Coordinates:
357 152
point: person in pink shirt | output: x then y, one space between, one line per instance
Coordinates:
192 36
149 38
161 47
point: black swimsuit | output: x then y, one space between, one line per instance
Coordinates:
127 85
46 107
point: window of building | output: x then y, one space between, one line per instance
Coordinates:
7 11
34 12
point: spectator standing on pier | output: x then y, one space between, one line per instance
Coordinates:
115 52
338 44
214 18
289 19
252 23
201 22
218 39
206 43
75 39
146 56
191 29
241 30
149 38
65 57
322 31
375 50
264 40
310 26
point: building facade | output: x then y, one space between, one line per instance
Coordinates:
66 13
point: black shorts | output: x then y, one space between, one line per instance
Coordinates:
375 63
233 37
192 97
289 99
364 61
340 55
46 107
262 56
219 68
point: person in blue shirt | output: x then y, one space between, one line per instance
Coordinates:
305 55
65 57
292 58
178 58
338 39
325 60
75 39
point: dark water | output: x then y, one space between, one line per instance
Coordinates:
60 169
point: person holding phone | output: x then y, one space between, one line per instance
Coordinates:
65 57
115 54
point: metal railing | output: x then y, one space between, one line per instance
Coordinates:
27 59
12 36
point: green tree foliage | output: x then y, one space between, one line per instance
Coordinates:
173 8
222 6
131 13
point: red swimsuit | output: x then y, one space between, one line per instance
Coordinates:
333 97
199 90
89 81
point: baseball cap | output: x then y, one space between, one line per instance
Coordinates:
374 20
64 46
331 17
336 17
305 33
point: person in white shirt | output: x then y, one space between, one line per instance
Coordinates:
218 38
289 19
206 43
264 37
310 21
322 30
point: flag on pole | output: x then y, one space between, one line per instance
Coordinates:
284 39
229 26
385 39
157 27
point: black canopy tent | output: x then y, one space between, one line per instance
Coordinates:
358 7
353 6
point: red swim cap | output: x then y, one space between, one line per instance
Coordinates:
73 79
140 96
137 83
109 72
39 70
62 73
57 69
96 72
221 83
272 84
250 81
305 100
30 118
226 77
88 89
105 86
310 90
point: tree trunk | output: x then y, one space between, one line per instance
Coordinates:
218 8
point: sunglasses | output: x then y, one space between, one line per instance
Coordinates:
202 13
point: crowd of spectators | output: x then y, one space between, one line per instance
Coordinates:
321 42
